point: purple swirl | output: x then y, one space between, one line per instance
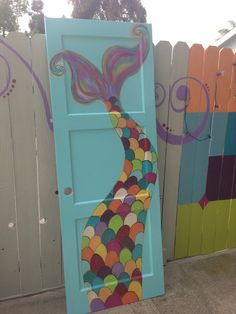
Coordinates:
8 78
159 102
37 80
186 138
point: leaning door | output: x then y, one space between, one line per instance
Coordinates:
101 78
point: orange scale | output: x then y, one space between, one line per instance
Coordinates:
135 229
147 202
121 123
139 129
104 293
131 123
111 259
107 105
128 167
129 297
130 266
133 143
87 254
94 242
134 189
114 205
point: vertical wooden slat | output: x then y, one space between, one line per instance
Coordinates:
232 100
210 74
182 230
192 162
222 219
215 144
232 224
195 69
49 209
195 234
163 54
208 228
224 80
23 132
222 101
9 274
173 152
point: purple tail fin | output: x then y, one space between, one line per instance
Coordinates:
88 83
121 62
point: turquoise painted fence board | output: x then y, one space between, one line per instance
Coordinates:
90 156
187 162
194 160
230 139
201 160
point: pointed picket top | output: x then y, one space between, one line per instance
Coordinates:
223 79
195 70
209 75
232 100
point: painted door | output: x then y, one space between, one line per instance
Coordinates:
101 77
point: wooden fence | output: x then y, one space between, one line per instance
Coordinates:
187 81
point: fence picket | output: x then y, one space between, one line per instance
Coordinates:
173 152
50 240
23 133
163 55
9 274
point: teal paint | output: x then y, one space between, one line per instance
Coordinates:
218 134
230 138
85 140
194 160
201 160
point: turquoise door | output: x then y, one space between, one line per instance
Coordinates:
101 78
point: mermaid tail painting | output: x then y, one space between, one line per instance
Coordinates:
112 242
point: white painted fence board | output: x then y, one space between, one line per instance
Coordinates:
173 153
162 55
50 239
9 274
23 132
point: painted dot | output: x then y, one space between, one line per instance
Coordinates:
182 93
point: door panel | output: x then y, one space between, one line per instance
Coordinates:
105 138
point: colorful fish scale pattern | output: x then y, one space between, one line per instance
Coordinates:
113 236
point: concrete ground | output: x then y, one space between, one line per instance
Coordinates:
203 286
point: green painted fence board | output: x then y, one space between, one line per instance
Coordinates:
222 218
195 232
232 224
208 228
182 230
